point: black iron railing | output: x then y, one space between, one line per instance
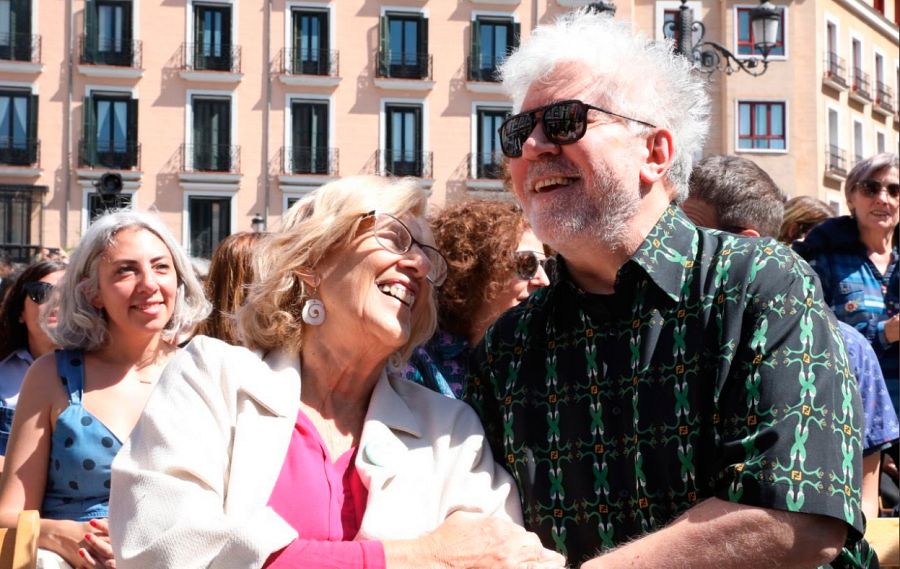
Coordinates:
835 160
835 68
403 65
404 163
109 154
486 166
20 47
20 152
223 158
483 68
884 97
110 51
310 160
861 84
323 62
211 57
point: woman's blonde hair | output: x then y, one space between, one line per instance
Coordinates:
83 325
322 223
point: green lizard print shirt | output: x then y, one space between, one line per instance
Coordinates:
715 369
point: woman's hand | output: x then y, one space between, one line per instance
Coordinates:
96 548
892 328
479 541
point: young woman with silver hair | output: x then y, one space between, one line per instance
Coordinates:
127 293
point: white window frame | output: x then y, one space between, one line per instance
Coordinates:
862 151
289 100
292 5
189 18
737 127
473 125
659 11
883 134
784 24
212 94
382 124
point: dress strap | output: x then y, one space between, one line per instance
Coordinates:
70 366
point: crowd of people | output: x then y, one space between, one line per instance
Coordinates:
624 367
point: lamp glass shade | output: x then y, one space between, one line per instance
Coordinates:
257 224
765 19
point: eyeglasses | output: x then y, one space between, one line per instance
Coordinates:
871 188
564 122
527 263
393 235
38 292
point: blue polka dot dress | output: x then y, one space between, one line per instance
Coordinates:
81 452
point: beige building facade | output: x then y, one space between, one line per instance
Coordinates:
216 112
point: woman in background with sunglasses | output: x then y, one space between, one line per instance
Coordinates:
22 339
495 263
314 451
856 258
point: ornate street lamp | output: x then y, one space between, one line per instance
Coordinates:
258 224
603 7
710 56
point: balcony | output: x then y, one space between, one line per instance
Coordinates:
404 163
216 63
312 161
112 58
314 68
486 171
481 74
94 153
20 53
884 99
403 70
835 75
835 163
22 152
861 90
218 158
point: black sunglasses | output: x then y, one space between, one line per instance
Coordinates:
871 188
38 292
527 263
564 122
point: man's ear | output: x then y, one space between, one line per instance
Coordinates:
660 153
749 233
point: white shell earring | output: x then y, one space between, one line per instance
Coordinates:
313 312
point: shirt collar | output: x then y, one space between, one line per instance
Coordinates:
21 354
668 251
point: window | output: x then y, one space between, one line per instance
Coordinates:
107 33
761 126
310 55
212 38
859 152
210 222
110 131
403 154
670 25
212 150
18 128
17 205
879 6
309 138
492 41
746 42
98 205
15 30
880 142
488 158
404 46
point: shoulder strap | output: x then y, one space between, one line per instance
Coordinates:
70 366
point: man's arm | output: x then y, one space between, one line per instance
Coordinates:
717 534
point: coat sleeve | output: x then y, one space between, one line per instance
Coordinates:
170 480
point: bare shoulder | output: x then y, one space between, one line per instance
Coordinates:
42 384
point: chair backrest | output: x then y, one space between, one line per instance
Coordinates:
18 547
883 534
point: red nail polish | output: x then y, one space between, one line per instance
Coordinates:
87 537
81 553
94 523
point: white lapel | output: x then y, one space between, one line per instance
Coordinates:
262 435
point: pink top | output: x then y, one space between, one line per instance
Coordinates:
324 501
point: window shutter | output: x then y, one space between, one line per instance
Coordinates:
88 134
516 37
475 52
32 141
132 134
20 28
385 42
422 48
91 32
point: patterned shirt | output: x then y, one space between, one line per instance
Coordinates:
856 290
713 370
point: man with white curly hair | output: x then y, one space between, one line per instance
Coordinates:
676 397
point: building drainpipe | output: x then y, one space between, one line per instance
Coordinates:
267 85
67 128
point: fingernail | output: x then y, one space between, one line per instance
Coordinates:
94 523
81 553
88 537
